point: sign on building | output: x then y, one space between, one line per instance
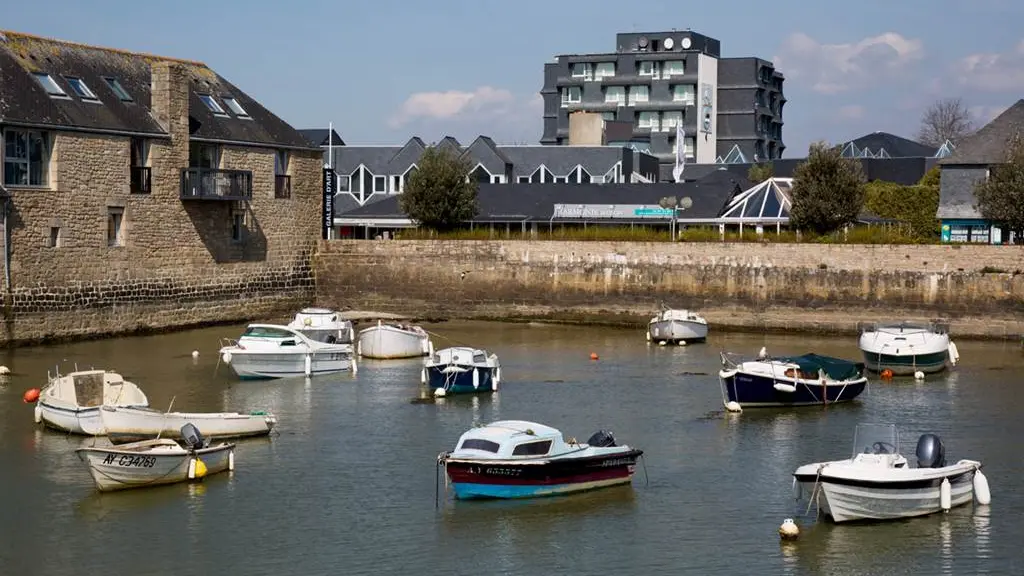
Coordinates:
610 211
328 204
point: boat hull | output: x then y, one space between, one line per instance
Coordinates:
481 479
902 365
84 421
253 366
754 391
113 469
845 500
677 331
388 342
469 380
134 424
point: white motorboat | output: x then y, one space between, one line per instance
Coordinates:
155 462
394 340
878 483
273 351
907 347
71 402
323 325
810 379
673 326
130 424
461 370
519 459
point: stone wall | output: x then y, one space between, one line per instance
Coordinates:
743 286
177 264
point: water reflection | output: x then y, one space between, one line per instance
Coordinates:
981 531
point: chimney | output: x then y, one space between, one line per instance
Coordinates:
169 95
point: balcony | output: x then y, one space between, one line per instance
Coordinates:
141 179
211 184
282 186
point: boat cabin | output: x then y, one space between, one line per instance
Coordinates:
510 440
263 332
461 356
93 388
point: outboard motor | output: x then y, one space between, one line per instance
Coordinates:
602 439
930 452
193 438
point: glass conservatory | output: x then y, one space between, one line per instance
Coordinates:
768 203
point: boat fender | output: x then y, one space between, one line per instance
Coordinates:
982 494
423 376
309 365
430 347
355 365
307 322
440 392
954 354
918 375
351 334
226 357
648 335
945 495
231 461
733 406
191 468
476 377
359 348
37 414
784 387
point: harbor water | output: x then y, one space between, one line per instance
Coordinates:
348 484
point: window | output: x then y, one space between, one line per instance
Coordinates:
532 448
477 444
117 89
684 93
396 184
571 95
608 116
80 88
638 94
343 183
581 70
140 152
55 240
235 107
496 179
688 146
522 179
671 119
26 158
356 181
115 226
604 70
282 181
380 183
674 68
648 120
49 84
561 179
212 104
584 176
597 179
647 69
281 159
139 172
615 94
237 226
202 155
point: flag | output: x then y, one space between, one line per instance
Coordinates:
677 172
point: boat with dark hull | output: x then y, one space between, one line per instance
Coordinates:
905 348
461 370
811 379
520 459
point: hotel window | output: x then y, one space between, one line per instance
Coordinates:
688 147
674 68
571 95
685 93
647 68
26 158
671 119
648 120
380 184
638 94
615 94
203 155
608 116
522 179
604 70
396 184
117 89
581 70
115 226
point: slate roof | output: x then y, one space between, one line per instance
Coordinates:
24 101
322 136
895 146
988 145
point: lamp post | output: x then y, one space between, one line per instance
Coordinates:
671 203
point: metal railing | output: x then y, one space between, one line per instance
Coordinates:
213 184
141 179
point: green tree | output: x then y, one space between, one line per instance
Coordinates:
438 194
760 172
828 190
914 206
1000 198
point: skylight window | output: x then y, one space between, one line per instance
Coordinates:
235 107
80 88
49 84
117 89
212 104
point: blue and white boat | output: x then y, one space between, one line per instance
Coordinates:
907 347
461 370
811 379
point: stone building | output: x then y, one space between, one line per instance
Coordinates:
145 192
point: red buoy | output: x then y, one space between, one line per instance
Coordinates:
31 395
593 355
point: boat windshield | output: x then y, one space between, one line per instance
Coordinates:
876 439
320 335
266 332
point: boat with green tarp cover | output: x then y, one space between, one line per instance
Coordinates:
803 380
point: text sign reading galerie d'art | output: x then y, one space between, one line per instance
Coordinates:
610 211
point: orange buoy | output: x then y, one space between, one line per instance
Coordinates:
31 395
593 355
886 374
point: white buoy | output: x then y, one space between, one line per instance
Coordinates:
440 392
195 353
662 343
982 494
4 370
226 357
423 376
918 375
476 377
733 406
789 530
309 364
797 490
945 495
682 343
192 469
231 461
37 415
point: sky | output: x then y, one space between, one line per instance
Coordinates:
383 70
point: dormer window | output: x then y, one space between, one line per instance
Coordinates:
117 89
49 84
80 88
212 105
235 107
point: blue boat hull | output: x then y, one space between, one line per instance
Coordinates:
902 365
462 382
750 391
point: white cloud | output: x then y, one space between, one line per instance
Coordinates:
455 104
834 68
992 72
495 112
852 112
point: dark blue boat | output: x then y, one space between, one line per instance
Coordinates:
811 379
462 370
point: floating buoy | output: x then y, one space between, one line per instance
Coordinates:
918 375
31 395
440 392
593 355
231 461
733 407
226 357
789 530
945 495
662 343
886 374
4 370
681 343
195 353
196 469
982 494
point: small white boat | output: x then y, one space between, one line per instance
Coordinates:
393 340
71 403
461 370
677 327
130 424
878 483
323 325
907 347
155 462
273 351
